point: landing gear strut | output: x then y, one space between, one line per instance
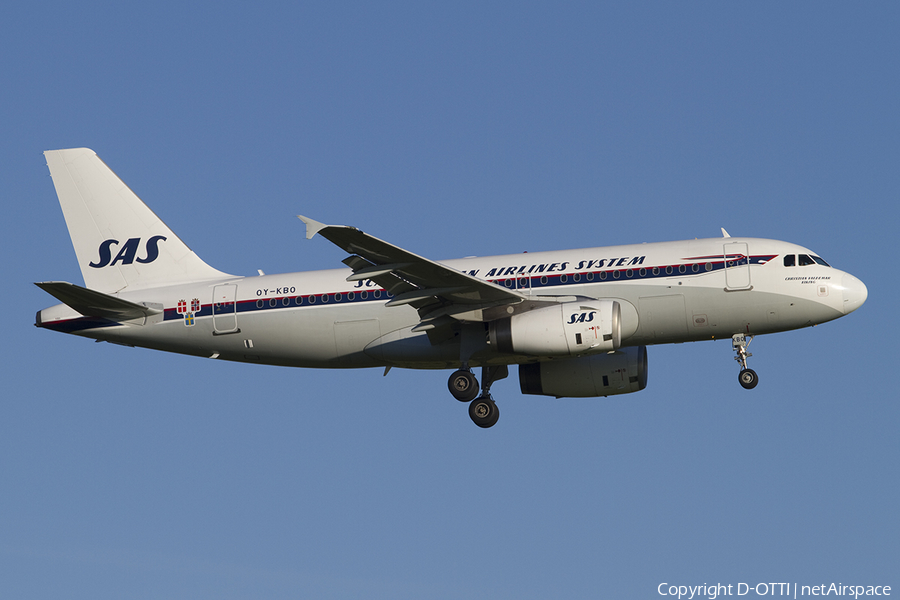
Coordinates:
464 387
747 377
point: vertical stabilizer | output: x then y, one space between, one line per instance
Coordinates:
118 240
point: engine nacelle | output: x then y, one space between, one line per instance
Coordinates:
620 372
568 329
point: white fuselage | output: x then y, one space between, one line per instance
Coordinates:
669 292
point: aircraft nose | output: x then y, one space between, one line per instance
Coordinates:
855 293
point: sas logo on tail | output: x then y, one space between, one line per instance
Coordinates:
128 251
585 317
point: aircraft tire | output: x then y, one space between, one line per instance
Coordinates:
484 412
748 379
463 385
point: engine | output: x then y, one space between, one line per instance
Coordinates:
567 329
620 372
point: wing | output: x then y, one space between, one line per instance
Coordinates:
437 291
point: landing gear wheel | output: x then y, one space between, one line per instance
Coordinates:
463 385
484 412
748 379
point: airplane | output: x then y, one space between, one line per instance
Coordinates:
576 323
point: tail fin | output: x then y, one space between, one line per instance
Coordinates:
118 240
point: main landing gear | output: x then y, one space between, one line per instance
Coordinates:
747 377
464 387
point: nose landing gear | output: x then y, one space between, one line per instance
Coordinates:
747 377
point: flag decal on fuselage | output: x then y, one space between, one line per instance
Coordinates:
188 314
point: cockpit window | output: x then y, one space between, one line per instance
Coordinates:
790 260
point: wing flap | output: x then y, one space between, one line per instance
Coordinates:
421 294
385 278
375 271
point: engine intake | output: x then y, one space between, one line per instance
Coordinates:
620 372
568 329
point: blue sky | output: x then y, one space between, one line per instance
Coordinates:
451 130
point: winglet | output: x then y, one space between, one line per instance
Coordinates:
724 233
312 227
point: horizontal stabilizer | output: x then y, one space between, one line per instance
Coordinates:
92 303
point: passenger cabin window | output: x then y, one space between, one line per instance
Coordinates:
789 260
